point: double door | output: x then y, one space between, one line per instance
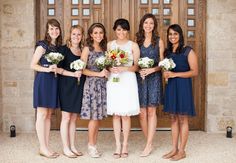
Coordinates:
190 14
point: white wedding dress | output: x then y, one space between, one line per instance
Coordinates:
122 96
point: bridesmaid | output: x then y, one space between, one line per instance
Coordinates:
94 106
70 93
150 90
178 92
45 98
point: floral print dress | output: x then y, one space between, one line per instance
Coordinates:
94 104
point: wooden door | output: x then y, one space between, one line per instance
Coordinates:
190 14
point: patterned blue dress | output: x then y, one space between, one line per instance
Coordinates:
150 89
94 103
178 91
45 84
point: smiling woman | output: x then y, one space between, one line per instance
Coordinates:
45 98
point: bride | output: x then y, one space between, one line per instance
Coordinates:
122 96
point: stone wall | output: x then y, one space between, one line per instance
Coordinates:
0 72
221 65
17 46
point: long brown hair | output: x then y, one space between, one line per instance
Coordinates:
47 38
81 44
140 35
89 40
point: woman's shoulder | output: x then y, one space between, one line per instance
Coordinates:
134 44
42 43
186 50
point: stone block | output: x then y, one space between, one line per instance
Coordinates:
22 123
213 109
211 124
223 122
10 92
18 32
25 88
218 79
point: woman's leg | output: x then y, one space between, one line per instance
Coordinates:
41 130
175 137
152 121
117 132
93 127
144 121
64 129
126 125
184 131
72 134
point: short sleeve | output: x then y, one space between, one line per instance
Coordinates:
187 50
41 43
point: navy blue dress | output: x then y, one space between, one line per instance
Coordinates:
150 90
178 91
45 84
70 93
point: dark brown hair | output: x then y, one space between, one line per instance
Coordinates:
177 28
140 35
89 40
47 38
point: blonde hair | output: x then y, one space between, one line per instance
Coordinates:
81 44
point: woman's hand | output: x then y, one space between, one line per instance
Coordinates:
52 68
104 73
169 74
146 71
77 74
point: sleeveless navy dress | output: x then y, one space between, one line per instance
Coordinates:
150 90
178 91
45 84
70 93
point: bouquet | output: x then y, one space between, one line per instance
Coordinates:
78 65
167 65
102 62
117 57
54 58
145 63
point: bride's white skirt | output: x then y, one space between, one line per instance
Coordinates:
122 96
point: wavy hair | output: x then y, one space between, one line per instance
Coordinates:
178 29
81 44
47 38
89 39
140 35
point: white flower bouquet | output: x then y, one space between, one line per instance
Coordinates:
167 64
78 65
54 58
102 62
145 62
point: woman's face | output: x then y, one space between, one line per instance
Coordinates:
148 25
76 36
53 31
121 33
97 34
173 36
